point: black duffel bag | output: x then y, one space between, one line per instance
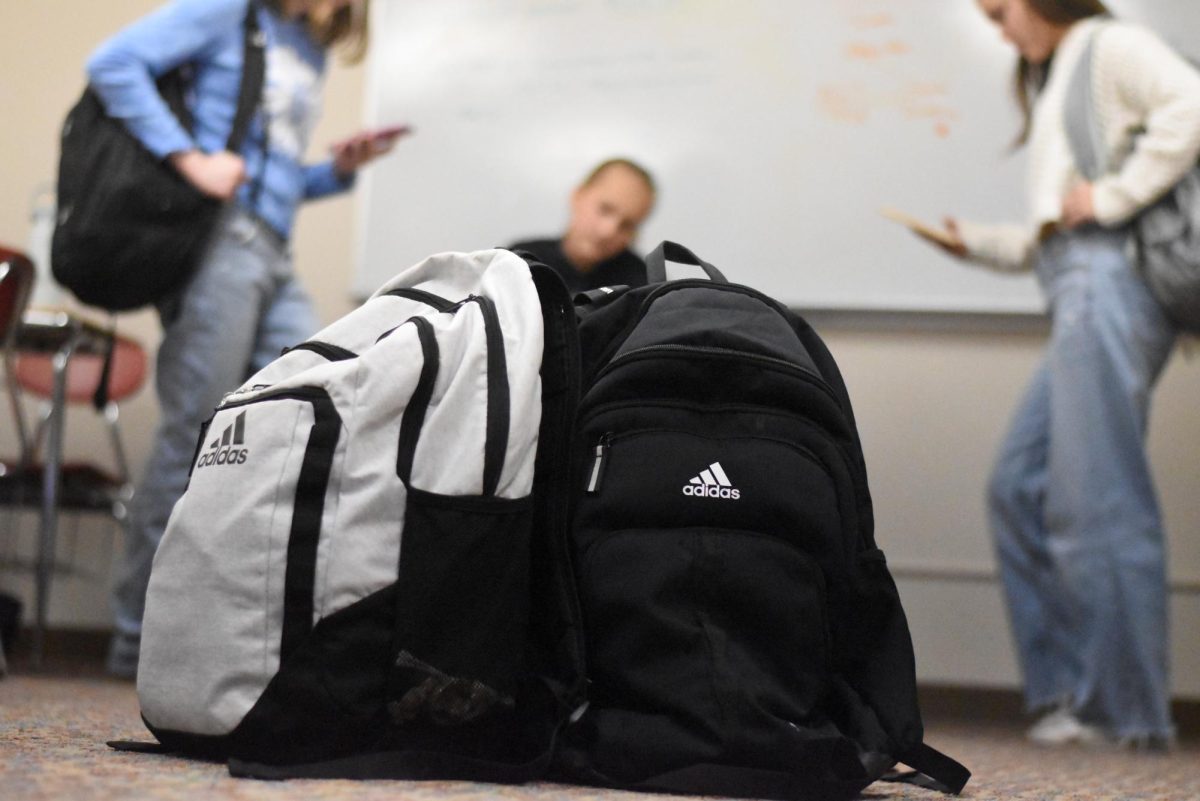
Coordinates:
130 229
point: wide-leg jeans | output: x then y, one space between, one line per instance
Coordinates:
1072 504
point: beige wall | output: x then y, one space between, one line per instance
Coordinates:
932 401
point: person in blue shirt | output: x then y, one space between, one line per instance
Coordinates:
244 303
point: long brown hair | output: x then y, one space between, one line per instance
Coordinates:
346 29
1028 78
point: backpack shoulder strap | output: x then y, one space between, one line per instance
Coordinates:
254 69
931 769
1079 112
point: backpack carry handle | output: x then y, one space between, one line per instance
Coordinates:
656 262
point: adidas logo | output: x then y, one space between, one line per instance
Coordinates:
712 483
224 449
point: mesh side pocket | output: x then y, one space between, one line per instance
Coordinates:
462 611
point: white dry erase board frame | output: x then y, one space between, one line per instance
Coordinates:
777 129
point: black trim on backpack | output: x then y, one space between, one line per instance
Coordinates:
418 405
498 398
311 486
421 296
199 446
333 353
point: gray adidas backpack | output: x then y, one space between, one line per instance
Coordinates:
358 581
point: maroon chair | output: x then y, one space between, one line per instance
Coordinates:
62 360
16 285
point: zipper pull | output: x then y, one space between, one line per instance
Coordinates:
598 456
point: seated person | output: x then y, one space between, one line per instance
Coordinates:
606 211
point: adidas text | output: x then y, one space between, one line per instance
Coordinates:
711 492
224 456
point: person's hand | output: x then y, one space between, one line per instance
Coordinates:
217 175
350 154
1077 206
952 242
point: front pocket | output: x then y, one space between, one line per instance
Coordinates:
667 478
231 592
462 607
276 455
706 642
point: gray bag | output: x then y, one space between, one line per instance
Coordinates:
414 419
1166 234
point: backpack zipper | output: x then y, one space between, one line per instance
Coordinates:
663 289
598 457
437 302
709 350
601 450
421 296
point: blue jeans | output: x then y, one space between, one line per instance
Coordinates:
1072 505
239 311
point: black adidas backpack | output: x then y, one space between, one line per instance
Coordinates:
743 634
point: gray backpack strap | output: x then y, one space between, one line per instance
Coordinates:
1082 124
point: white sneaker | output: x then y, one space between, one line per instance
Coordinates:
1061 727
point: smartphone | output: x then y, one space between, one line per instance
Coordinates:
390 132
379 139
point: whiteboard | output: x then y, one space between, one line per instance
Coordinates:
776 129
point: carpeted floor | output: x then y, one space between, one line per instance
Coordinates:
53 729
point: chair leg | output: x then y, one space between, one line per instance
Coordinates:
51 486
112 415
38 441
14 397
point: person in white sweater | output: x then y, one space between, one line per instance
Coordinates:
1071 501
